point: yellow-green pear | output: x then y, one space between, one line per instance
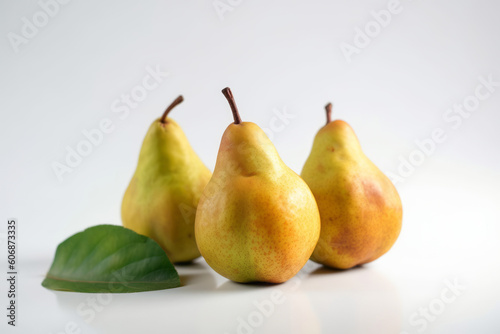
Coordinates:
361 212
257 221
162 197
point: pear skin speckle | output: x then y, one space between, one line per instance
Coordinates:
257 220
361 212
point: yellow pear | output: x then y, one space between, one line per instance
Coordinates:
361 212
257 221
161 200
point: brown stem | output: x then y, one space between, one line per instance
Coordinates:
328 109
230 98
178 100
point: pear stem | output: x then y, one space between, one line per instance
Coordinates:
328 109
178 100
230 98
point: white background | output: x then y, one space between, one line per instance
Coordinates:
275 55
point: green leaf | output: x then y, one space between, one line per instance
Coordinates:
110 258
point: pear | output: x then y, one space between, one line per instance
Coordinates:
162 197
361 212
257 221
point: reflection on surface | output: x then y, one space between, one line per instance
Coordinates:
103 313
317 300
273 308
360 300
303 318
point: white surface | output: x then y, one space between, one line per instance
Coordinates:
274 55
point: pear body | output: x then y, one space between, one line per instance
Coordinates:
257 221
361 211
161 199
